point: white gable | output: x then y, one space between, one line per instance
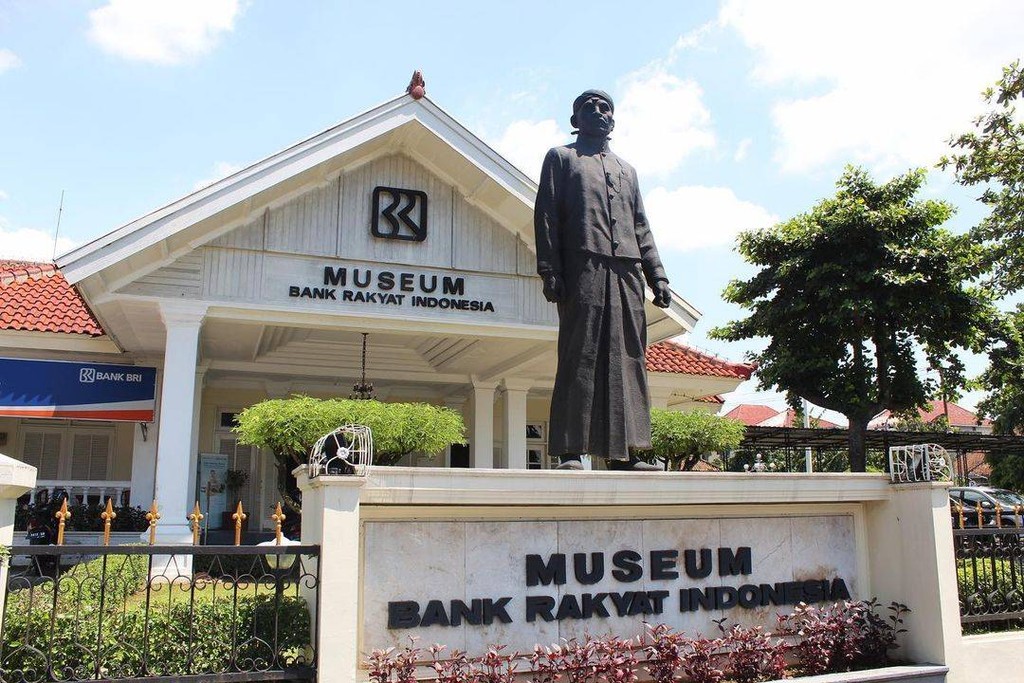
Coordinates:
291 236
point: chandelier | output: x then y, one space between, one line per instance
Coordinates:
363 390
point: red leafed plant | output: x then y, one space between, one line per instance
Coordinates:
616 660
663 648
495 667
701 660
455 668
827 639
754 655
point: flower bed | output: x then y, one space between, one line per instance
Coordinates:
811 640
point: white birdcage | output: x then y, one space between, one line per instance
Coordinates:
340 451
920 462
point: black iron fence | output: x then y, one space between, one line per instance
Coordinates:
990 577
160 613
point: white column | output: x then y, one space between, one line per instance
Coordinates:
16 478
177 414
514 419
910 559
143 465
481 438
330 518
193 463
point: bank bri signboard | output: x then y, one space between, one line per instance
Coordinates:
83 391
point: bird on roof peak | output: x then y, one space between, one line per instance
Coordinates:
417 86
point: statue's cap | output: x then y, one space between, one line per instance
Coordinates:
587 94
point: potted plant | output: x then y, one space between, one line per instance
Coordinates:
234 480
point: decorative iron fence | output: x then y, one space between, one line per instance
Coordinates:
160 612
990 577
212 613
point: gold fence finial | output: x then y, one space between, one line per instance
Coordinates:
981 521
196 517
153 516
999 516
108 516
62 516
960 512
278 518
239 517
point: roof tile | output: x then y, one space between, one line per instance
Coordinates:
676 358
35 297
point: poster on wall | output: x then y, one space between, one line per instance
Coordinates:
213 472
83 391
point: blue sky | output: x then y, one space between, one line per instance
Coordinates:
736 114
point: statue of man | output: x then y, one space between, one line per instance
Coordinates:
595 251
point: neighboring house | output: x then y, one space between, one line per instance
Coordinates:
960 419
262 284
766 416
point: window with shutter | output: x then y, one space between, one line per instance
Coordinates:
90 454
42 451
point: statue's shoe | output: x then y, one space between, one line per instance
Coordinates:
632 466
573 464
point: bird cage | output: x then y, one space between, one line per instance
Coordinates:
920 462
340 451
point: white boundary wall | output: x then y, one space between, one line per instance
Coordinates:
902 536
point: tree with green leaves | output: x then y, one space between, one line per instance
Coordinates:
1004 405
851 294
682 438
289 428
992 156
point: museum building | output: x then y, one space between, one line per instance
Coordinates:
398 232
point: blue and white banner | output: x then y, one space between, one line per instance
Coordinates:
83 391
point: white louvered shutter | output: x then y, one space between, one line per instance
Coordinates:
90 454
42 451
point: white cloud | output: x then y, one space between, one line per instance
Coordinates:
525 143
8 60
891 81
695 217
742 149
220 170
29 244
161 31
4 196
660 119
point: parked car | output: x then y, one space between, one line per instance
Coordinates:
988 499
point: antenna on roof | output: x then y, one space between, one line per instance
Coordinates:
56 233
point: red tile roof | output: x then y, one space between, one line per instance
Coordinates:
35 297
958 415
752 415
787 419
676 358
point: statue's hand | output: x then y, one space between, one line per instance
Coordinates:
554 288
662 294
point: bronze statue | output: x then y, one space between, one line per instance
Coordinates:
595 250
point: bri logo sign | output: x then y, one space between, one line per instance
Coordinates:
103 391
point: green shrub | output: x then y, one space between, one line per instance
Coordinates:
682 438
989 585
290 427
83 517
